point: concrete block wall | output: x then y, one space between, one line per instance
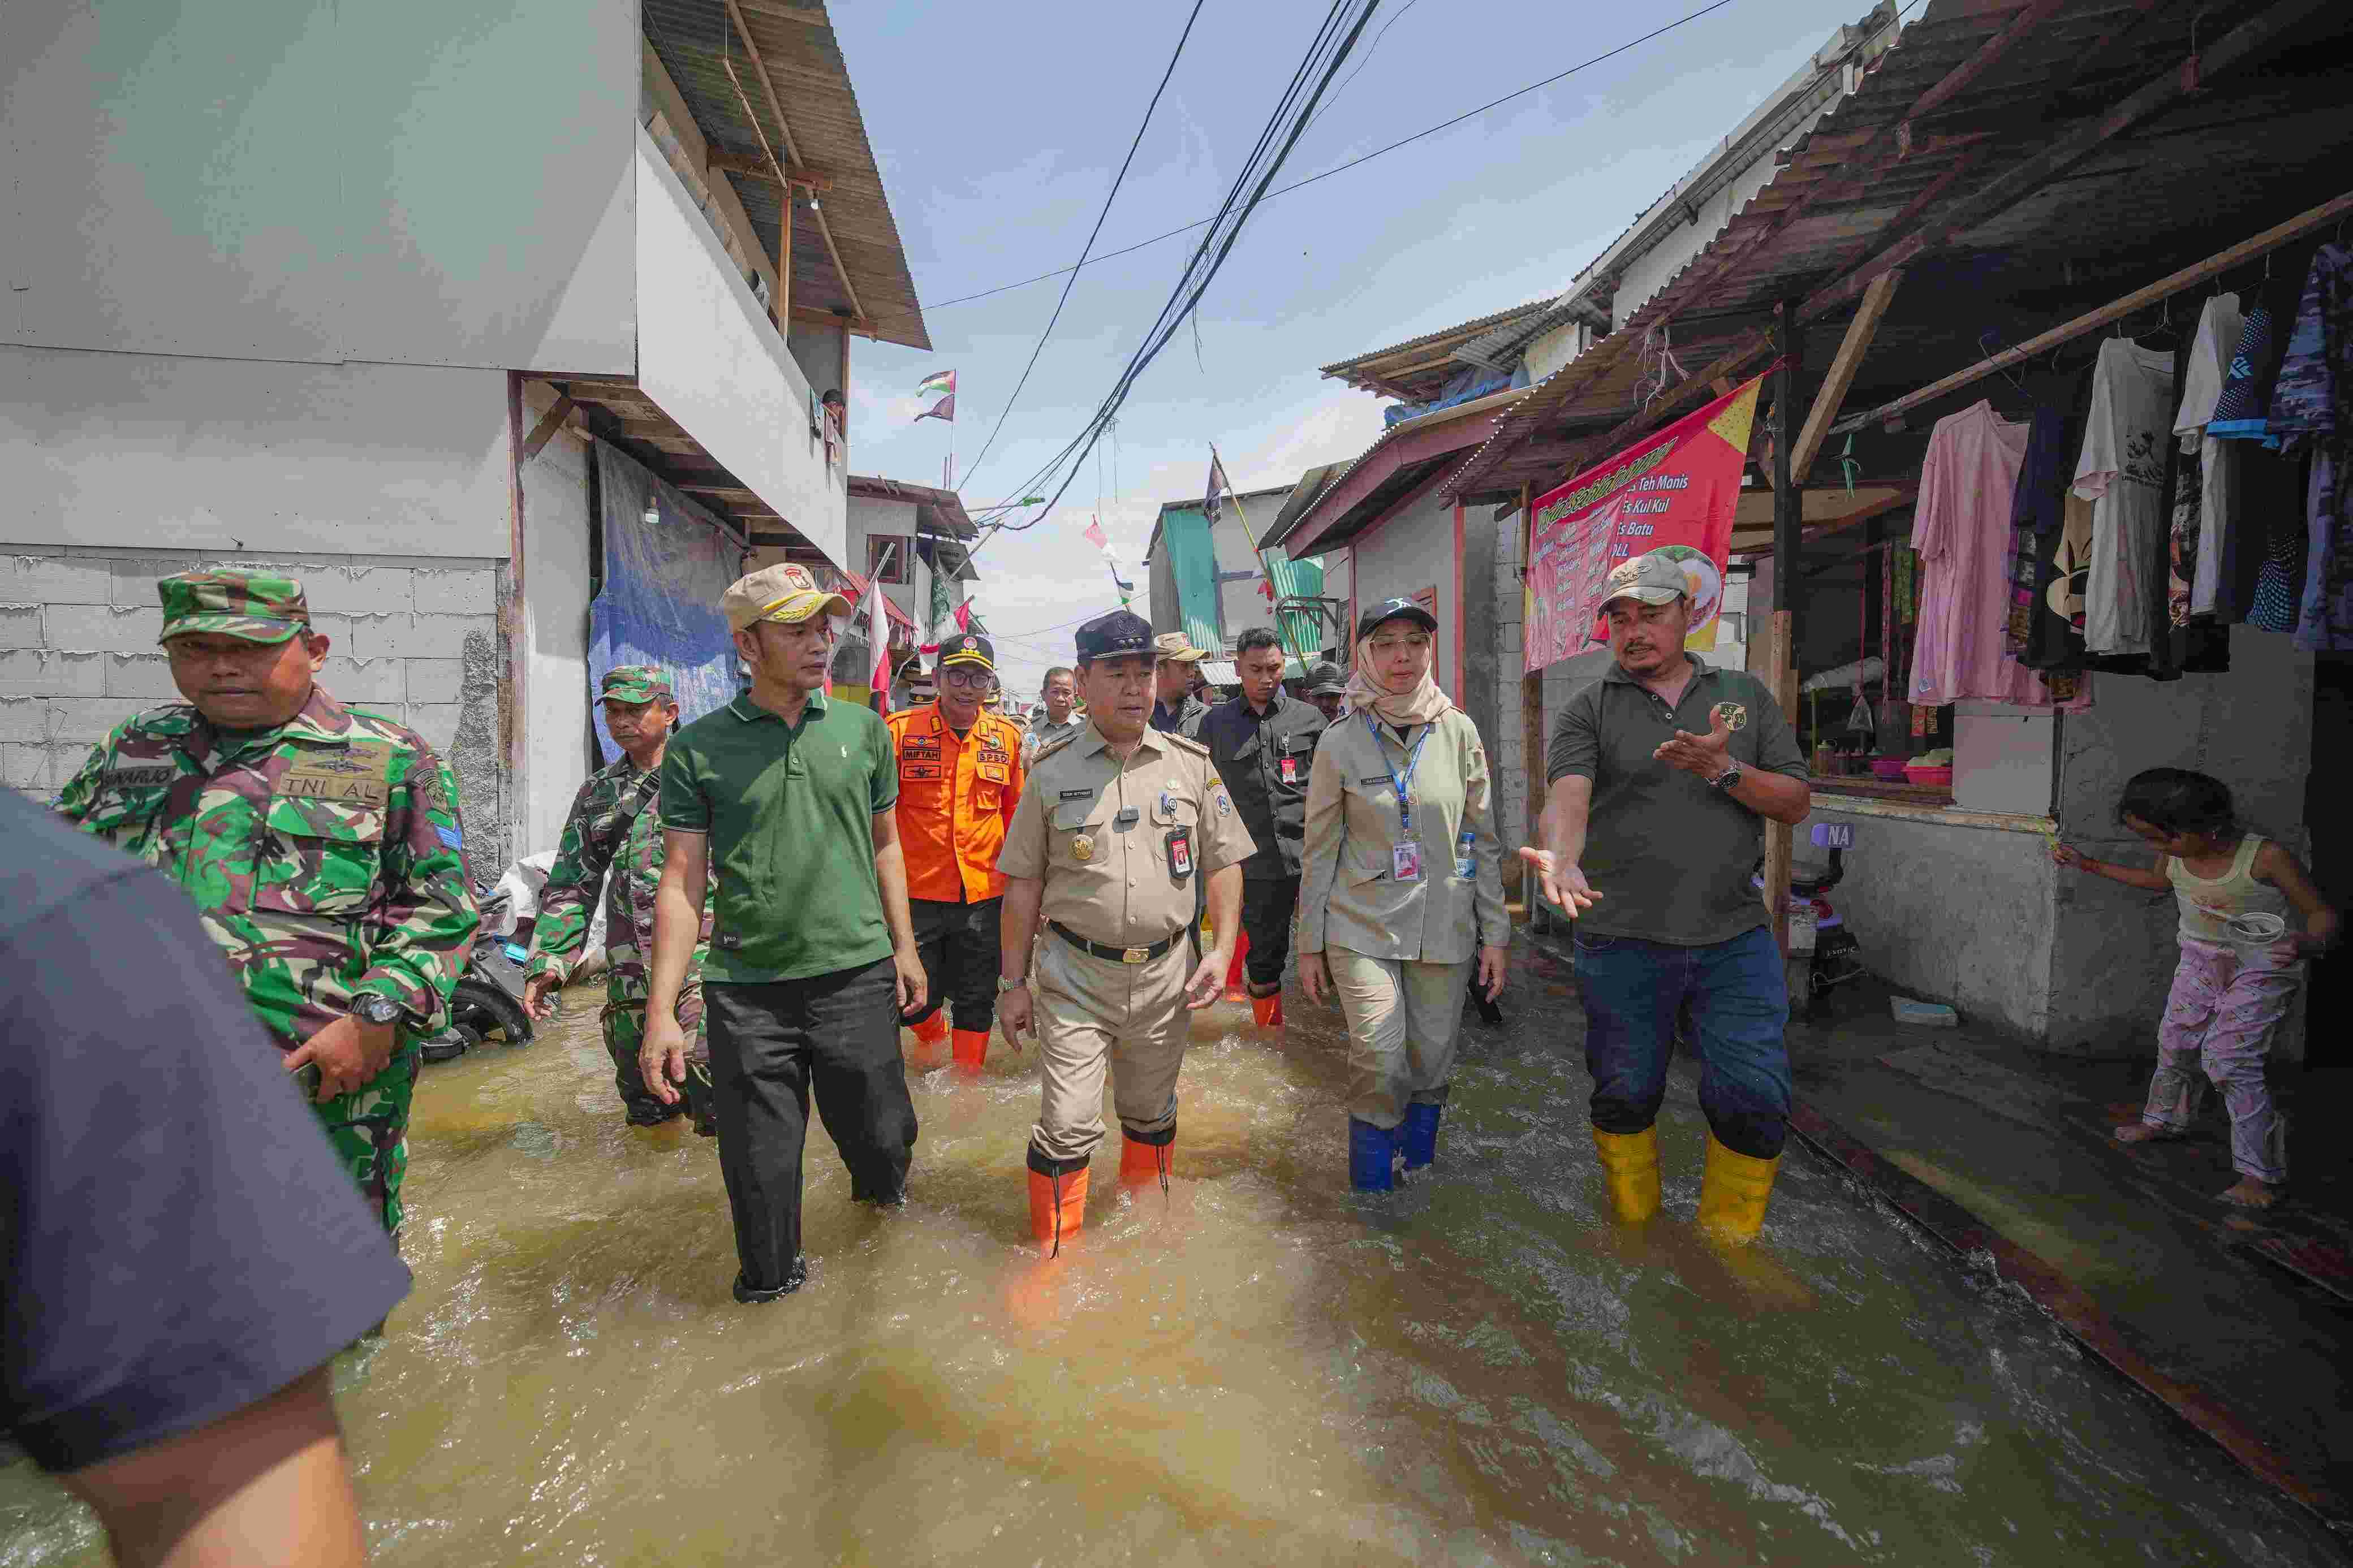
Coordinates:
413 638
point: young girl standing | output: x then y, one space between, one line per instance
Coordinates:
2240 963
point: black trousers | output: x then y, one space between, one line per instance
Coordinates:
1267 908
771 1046
958 942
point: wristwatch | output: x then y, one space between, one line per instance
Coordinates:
1003 984
371 1008
1728 780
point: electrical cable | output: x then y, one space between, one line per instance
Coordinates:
1109 197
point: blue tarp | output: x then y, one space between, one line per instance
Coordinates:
660 602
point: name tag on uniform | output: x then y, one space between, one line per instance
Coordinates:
1405 861
1180 853
358 774
1290 770
138 778
1076 794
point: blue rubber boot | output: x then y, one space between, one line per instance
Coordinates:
1370 1151
1419 1136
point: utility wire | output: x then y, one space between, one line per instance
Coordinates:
1109 197
1342 168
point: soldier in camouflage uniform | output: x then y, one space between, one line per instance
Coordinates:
321 846
614 825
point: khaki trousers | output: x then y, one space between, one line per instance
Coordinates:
1096 1013
1403 1017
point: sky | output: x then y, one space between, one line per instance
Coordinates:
998 132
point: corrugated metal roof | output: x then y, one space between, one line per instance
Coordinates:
2250 148
1409 368
824 132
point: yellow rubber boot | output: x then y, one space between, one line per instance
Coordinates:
1732 1193
1629 1172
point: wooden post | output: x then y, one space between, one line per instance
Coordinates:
783 300
1841 375
1788 522
1532 729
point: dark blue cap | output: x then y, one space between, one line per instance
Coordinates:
1389 610
1108 637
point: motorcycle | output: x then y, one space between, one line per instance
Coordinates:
488 998
1823 954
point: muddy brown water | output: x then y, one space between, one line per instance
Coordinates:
1257 1368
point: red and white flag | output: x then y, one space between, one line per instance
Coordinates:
878 635
1096 536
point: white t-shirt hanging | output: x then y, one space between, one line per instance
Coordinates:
2219 328
2122 474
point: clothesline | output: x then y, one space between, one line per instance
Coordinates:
2214 266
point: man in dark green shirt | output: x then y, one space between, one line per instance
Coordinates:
788 797
1663 775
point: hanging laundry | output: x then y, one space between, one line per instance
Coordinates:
2122 474
2203 511
2312 409
1968 481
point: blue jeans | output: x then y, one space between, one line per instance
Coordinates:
1739 1006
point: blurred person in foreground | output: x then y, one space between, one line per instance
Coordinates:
1402 890
175 1284
322 844
787 797
1663 773
615 828
1261 745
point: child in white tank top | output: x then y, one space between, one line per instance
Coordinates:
2241 899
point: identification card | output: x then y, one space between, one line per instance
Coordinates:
1180 853
1290 770
1405 861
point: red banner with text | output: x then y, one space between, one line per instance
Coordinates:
1674 491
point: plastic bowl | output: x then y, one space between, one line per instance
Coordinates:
1888 768
1936 775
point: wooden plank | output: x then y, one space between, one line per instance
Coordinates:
1959 78
2115 310
1777 835
549 424
789 175
809 15
1849 359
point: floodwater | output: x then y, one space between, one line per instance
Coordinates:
1257 1368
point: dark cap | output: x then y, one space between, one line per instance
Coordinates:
1390 610
1324 676
970 648
1109 637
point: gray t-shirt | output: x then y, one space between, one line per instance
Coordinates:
1671 854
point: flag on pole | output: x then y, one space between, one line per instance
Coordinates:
1218 484
1221 485
878 635
963 616
942 387
1096 536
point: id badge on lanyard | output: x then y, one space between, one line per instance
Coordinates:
1405 855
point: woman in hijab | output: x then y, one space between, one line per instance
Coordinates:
1400 889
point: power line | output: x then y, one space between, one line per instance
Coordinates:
1109 197
1342 168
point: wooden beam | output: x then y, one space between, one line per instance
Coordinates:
2161 91
1782 676
2115 310
816 318
1849 359
1959 78
592 391
792 154
549 424
758 168
809 15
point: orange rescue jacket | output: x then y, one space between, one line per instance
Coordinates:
956 799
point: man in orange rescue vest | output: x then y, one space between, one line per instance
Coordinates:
959 779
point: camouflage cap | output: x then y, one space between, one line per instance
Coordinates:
634 683
257 606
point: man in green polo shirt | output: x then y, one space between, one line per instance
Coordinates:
788 797
1663 773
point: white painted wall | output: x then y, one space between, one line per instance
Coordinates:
896 519
164 451
1403 555
716 365
556 682
431 182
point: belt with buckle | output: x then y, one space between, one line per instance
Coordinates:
1116 955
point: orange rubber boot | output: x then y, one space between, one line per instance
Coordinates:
1268 1010
1141 1163
1058 1205
1237 989
932 1031
971 1049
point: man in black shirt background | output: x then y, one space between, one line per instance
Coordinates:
182 1251
1261 743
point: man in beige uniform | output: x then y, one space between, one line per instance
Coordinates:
1114 831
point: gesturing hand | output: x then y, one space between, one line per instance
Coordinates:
1565 885
1209 979
1706 756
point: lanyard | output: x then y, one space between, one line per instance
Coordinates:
1400 782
